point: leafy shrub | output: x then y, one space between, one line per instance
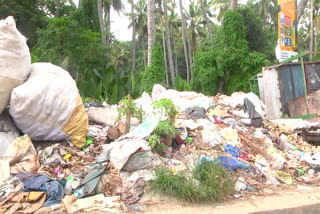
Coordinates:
205 76
164 128
250 66
154 73
209 182
181 84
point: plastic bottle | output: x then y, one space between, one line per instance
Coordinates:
68 187
79 193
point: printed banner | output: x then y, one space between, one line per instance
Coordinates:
287 25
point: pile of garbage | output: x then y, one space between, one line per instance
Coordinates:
57 153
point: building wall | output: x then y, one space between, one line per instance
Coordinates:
271 92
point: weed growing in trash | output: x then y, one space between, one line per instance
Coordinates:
165 128
128 108
168 107
208 182
153 140
128 103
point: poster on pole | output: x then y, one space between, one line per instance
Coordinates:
287 28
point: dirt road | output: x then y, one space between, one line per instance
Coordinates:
284 199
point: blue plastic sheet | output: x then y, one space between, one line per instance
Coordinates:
233 150
229 163
232 164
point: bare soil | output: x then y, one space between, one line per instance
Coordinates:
291 198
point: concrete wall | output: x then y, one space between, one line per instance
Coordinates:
271 92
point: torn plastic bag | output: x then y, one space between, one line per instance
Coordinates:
15 60
20 157
89 185
37 182
118 152
140 160
232 164
48 106
143 130
233 150
195 113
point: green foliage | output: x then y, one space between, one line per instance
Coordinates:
28 16
181 84
209 182
87 15
234 46
154 73
164 128
227 56
205 76
64 37
259 39
154 140
108 84
167 107
250 66
128 103
66 7
255 36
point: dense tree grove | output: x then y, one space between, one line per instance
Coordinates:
208 46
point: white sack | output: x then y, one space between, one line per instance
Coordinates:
15 60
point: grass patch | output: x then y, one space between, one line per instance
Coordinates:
209 182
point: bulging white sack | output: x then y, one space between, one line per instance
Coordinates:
48 106
15 60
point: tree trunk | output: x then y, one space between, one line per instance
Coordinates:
101 22
168 42
233 5
144 52
316 24
151 27
165 58
133 67
175 54
300 8
220 85
193 39
207 19
183 34
311 33
57 15
189 53
107 11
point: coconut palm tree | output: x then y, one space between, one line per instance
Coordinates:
151 27
169 48
196 24
204 9
141 25
107 5
133 17
184 36
175 26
